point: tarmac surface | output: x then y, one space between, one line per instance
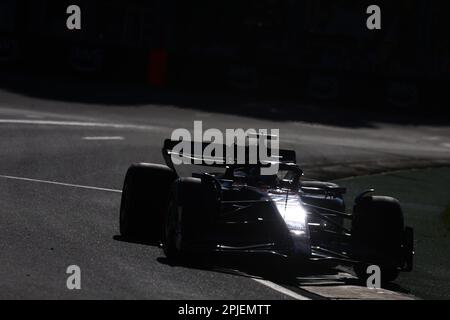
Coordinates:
64 154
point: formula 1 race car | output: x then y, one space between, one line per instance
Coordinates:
242 211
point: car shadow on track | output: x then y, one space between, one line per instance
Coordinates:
136 240
268 268
280 272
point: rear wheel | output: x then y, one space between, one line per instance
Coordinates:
377 236
144 200
184 219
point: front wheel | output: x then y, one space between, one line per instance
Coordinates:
183 225
378 236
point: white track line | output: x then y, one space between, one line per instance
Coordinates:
104 138
281 289
60 184
266 283
80 124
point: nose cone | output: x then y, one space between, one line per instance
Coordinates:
295 216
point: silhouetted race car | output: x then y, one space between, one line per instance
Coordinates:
242 211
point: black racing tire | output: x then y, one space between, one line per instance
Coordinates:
144 201
408 249
377 236
183 219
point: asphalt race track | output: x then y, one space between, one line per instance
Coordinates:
62 166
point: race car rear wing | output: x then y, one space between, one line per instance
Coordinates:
194 153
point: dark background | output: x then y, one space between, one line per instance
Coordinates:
306 50
348 100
